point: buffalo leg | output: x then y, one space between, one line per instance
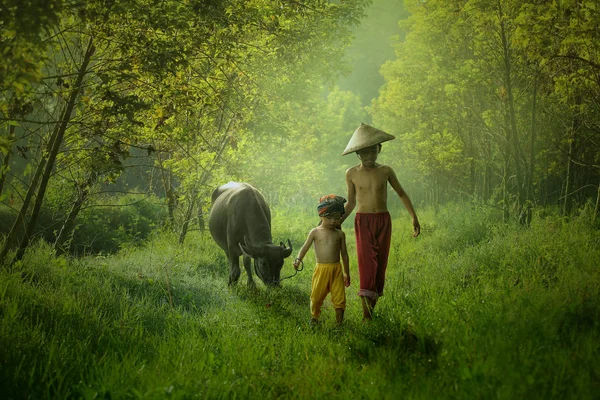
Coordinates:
234 270
248 267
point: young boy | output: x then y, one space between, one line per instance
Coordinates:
330 243
367 188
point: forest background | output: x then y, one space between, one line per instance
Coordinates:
491 104
120 118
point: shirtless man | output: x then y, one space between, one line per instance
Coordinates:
330 244
367 188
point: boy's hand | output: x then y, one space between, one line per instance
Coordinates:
416 227
346 280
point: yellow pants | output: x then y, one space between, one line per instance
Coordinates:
327 278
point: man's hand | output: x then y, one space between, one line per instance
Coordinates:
416 227
346 280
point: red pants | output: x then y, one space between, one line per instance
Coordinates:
373 235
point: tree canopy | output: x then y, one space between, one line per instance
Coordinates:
492 101
497 101
194 84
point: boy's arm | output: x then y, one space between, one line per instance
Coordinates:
345 261
406 200
351 200
304 249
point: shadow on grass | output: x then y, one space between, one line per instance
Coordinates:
218 269
187 295
286 302
381 341
80 314
112 297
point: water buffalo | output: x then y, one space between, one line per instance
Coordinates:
240 223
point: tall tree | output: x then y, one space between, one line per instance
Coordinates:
492 82
179 79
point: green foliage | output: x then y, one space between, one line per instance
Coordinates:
490 95
106 226
180 79
23 25
7 218
4 145
110 225
473 308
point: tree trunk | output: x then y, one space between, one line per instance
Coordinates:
532 143
513 137
487 174
525 212
597 208
62 127
188 217
205 175
62 244
201 219
171 200
18 228
568 198
167 181
505 208
472 176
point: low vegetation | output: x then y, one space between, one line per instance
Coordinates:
473 308
101 228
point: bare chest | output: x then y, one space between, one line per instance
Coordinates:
327 238
370 181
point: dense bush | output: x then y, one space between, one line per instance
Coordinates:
7 218
110 225
103 227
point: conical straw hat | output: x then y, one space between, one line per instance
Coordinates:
366 136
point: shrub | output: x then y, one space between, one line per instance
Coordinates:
105 227
111 225
7 218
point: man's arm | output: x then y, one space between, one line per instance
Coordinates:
351 198
406 200
345 260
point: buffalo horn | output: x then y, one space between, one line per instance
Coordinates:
287 250
251 250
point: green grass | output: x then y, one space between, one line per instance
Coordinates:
473 308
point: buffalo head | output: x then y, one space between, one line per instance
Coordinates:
268 259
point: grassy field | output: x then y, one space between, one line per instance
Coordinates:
473 309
